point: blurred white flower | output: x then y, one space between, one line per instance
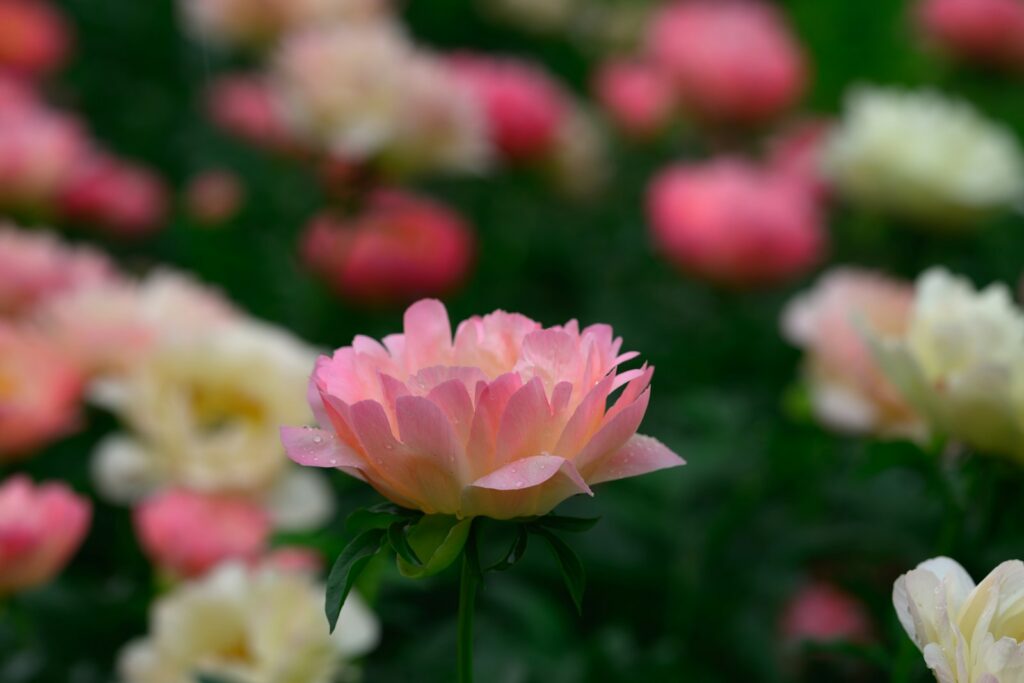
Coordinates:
252 625
924 157
968 633
579 160
961 362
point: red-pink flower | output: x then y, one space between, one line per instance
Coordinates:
822 613
244 106
39 150
507 419
40 529
735 224
186 533
214 197
524 107
114 196
400 248
734 61
637 96
34 38
39 392
985 31
36 266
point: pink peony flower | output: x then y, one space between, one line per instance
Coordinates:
400 248
187 534
637 96
985 31
507 420
243 105
524 107
34 38
39 150
214 197
822 613
40 528
733 61
115 196
848 390
797 153
36 266
735 224
39 392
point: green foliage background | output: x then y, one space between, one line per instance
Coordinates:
688 569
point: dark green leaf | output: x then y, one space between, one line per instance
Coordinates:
572 525
400 543
515 552
569 563
346 569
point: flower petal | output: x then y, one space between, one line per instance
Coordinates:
524 488
615 431
428 333
640 455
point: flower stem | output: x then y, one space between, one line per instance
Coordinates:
468 585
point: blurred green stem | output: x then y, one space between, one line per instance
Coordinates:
468 585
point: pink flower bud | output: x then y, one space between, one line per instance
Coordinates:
822 613
524 107
34 38
115 196
186 533
401 247
731 61
735 224
637 96
243 106
214 197
988 32
40 529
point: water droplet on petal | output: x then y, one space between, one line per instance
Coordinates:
318 439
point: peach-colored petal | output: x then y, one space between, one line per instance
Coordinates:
613 434
640 455
527 487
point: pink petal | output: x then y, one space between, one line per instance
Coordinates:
524 424
453 398
613 434
318 448
585 420
634 388
425 428
524 488
490 404
552 350
428 333
640 455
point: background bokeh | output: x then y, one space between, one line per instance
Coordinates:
689 570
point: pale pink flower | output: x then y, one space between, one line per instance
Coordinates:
40 391
637 96
989 32
402 247
524 106
41 527
34 38
506 420
36 266
214 197
186 533
733 61
849 391
115 196
823 613
39 150
243 105
733 223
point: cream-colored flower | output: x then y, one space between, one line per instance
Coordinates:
849 392
968 633
251 626
203 411
961 362
923 156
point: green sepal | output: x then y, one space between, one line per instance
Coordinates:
437 540
399 542
514 553
379 516
346 569
572 569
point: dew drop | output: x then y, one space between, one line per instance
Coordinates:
520 484
318 439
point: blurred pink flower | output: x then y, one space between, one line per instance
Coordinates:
40 391
40 529
400 248
35 40
636 95
848 390
39 150
115 196
294 559
735 224
243 105
524 106
214 197
732 61
35 266
985 31
797 153
822 613
507 420
186 534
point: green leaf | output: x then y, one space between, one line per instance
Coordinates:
437 540
400 543
346 569
569 563
515 552
573 525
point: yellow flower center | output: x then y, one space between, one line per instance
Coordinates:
215 408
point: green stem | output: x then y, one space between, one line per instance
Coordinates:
468 585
